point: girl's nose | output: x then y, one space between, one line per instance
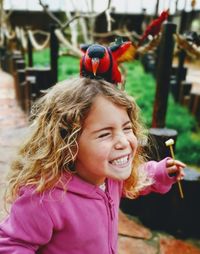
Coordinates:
121 141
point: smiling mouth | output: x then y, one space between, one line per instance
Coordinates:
120 161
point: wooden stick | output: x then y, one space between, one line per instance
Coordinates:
170 143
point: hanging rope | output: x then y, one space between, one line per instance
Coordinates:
23 39
66 43
35 44
10 35
17 32
40 32
109 20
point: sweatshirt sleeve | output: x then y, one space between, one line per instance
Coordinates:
162 182
27 227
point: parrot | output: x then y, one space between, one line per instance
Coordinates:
155 26
101 62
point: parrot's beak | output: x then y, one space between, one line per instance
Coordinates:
95 64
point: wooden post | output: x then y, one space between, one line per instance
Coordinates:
163 75
20 64
2 58
54 47
184 95
30 52
183 22
180 71
20 73
194 105
30 96
158 134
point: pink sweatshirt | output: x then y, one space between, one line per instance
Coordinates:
82 220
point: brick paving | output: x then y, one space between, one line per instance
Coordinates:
134 238
13 123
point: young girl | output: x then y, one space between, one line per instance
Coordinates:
83 154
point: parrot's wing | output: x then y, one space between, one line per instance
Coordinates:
123 52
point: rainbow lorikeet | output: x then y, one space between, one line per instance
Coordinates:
155 26
101 62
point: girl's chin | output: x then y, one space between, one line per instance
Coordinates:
122 174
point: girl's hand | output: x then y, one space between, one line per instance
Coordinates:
175 168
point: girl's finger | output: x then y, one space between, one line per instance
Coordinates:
170 162
179 163
174 168
175 171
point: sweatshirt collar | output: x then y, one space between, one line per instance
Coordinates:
74 184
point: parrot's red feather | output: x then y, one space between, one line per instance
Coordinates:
155 26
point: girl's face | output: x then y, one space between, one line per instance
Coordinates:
107 144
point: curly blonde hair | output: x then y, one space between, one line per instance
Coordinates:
57 120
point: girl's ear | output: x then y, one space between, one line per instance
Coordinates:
84 47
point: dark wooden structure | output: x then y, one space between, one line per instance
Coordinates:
29 52
164 65
54 48
169 212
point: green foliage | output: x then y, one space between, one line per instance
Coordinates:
179 118
142 86
188 148
41 58
68 66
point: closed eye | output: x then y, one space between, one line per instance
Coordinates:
104 135
128 128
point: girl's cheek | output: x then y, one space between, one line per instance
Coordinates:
133 138
134 143
104 149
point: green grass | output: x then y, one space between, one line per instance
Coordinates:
142 86
41 58
68 66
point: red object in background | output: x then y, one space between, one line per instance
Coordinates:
155 26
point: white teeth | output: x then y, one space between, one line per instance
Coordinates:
120 161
